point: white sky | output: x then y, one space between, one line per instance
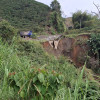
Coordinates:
71 6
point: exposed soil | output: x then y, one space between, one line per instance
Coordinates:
75 49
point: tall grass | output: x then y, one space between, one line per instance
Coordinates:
17 61
82 90
9 62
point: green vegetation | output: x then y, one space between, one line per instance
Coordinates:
7 32
24 76
27 72
83 22
32 15
24 14
82 19
55 18
74 35
57 22
33 50
20 76
55 6
94 44
42 83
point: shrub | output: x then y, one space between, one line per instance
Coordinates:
82 19
18 74
73 31
38 29
7 32
57 22
82 89
33 50
94 43
39 83
34 35
22 79
53 32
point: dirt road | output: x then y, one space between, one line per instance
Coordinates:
44 38
48 37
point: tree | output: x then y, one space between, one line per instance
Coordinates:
82 19
98 8
57 22
55 6
56 19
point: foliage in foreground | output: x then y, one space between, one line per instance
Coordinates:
22 78
20 73
82 90
39 83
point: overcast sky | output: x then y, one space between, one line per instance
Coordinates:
70 6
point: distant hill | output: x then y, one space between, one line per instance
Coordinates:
24 14
68 22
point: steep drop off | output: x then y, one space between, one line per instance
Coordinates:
73 48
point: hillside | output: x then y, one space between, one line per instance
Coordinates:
24 14
52 62
27 72
68 22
